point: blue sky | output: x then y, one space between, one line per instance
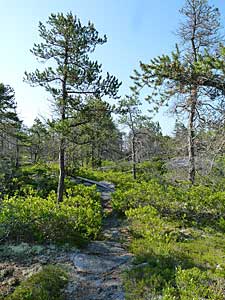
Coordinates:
136 30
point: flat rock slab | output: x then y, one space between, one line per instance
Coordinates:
95 264
106 196
105 248
108 185
87 286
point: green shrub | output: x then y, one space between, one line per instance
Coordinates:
170 259
89 174
108 163
216 182
31 217
197 284
139 194
148 281
147 223
221 224
176 231
219 167
41 177
151 169
120 179
199 204
162 280
45 285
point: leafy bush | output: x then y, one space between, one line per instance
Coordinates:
148 170
138 194
199 204
146 222
7 169
89 174
120 179
162 280
31 217
219 167
41 177
221 224
170 259
45 285
197 284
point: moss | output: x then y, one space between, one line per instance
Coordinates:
44 285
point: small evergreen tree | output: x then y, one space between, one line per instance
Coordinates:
71 74
187 78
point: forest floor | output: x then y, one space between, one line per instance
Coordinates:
95 271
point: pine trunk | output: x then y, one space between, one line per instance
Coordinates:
92 156
61 170
191 137
134 171
62 139
17 155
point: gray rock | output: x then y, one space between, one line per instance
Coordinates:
98 264
105 247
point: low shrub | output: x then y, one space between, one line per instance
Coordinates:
173 262
137 194
148 170
199 204
89 174
147 223
41 177
120 179
31 217
44 285
197 284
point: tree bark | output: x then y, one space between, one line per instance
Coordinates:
92 156
61 170
134 171
62 139
133 146
17 155
191 136
192 112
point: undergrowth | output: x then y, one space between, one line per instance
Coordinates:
178 245
32 218
44 285
177 229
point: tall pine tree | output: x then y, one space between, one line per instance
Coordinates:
71 74
185 79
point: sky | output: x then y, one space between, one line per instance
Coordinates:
137 30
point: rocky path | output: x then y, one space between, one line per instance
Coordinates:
95 271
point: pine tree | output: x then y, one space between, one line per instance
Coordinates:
71 74
132 117
186 79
